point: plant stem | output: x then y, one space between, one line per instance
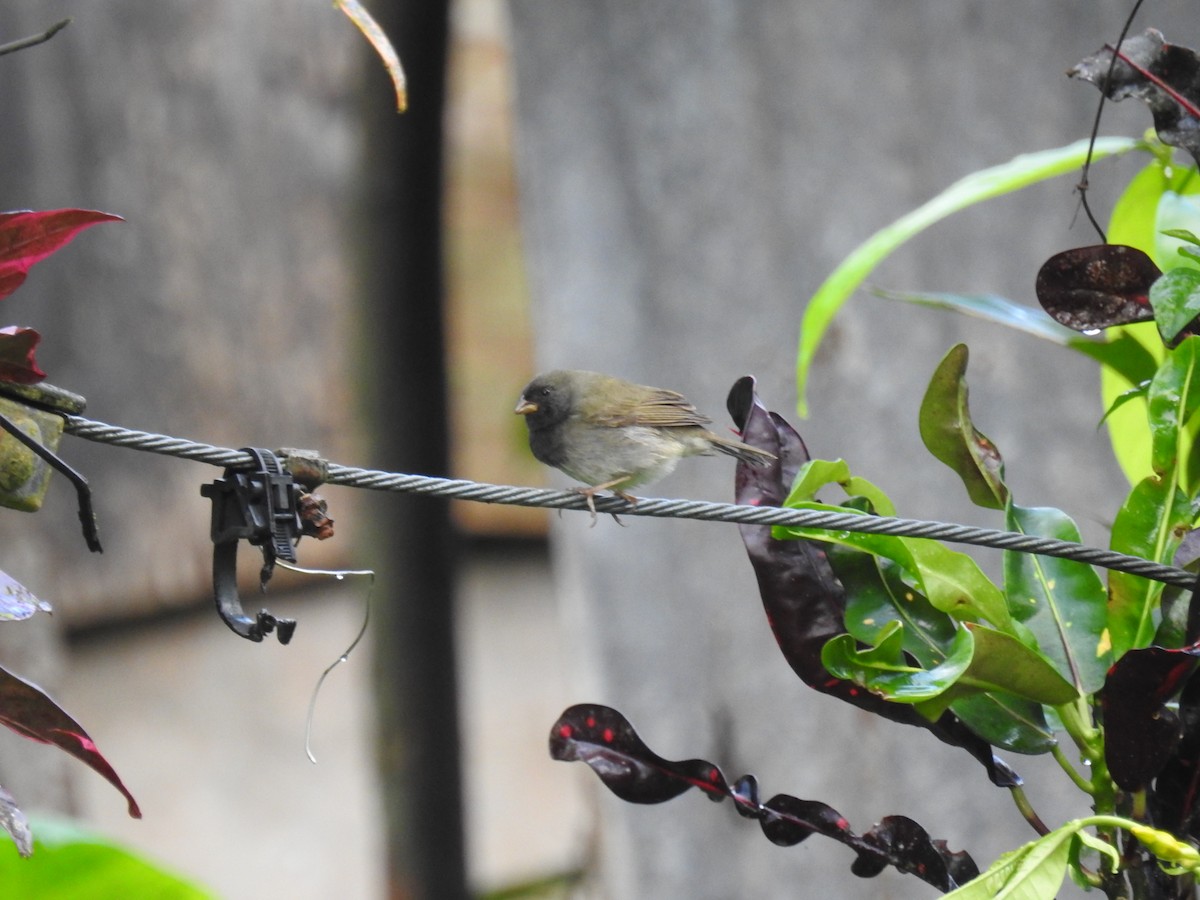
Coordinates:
1027 811
1080 782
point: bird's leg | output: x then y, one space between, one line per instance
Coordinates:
590 494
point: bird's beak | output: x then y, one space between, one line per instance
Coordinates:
525 407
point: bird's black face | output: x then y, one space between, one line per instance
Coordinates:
545 402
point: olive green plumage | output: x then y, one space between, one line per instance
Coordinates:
612 434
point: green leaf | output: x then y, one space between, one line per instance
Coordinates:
1019 172
981 660
69 862
817 473
1108 854
1001 663
1173 397
1150 524
877 596
1007 721
884 670
1064 603
1157 511
991 308
1140 214
1138 392
952 438
952 581
1123 353
1126 422
1176 219
1175 299
1182 234
1032 872
1146 207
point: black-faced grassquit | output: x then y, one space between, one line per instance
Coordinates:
615 435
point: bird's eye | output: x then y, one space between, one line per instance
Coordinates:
546 392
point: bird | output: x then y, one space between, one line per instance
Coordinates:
613 435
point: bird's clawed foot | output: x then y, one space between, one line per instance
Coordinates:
589 494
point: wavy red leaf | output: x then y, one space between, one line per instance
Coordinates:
27 237
28 711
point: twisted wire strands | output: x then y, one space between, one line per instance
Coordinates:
459 489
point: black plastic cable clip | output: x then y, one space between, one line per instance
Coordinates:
259 505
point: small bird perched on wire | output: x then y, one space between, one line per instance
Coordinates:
614 435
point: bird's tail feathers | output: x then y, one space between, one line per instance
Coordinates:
744 452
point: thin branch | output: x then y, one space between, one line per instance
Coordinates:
34 40
1083 185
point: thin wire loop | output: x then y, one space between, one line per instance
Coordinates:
480 492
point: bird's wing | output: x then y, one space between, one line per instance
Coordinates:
658 408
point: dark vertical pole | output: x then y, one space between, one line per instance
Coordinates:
403 335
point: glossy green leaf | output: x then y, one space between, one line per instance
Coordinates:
1176 221
1173 398
991 308
1145 208
1007 721
1032 872
1150 524
1019 172
1181 234
980 660
69 862
1118 350
1002 663
818 473
877 596
952 438
1175 298
1140 215
1134 393
884 670
952 581
1064 603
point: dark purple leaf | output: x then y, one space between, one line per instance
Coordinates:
1141 730
804 601
603 738
903 839
1166 77
1175 800
26 709
1090 288
17 363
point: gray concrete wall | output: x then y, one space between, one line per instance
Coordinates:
689 174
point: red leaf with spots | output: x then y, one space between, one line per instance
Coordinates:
26 709
1090 288
28 237
603 738
17 361
804 600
